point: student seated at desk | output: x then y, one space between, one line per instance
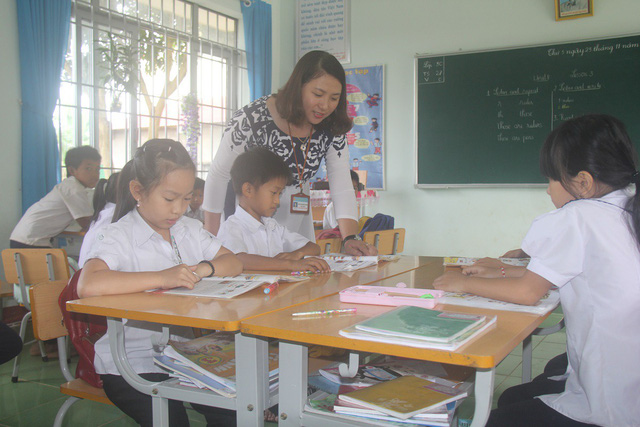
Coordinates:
589 248
259 177
152 245
329 219
69 200
194 211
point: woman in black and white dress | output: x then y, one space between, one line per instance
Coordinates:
305 122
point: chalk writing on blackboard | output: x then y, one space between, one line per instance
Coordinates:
432 71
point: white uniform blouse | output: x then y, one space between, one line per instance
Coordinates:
132 245
253 126
587 250
104 219
243 233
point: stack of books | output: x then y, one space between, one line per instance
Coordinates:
421 327
393 392
209 362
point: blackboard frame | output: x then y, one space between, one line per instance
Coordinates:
417 136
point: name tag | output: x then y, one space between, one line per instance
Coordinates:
300 203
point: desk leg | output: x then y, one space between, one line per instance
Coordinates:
252 379
115 329
293 383
484 396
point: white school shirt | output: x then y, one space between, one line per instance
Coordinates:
104 219
587 250
49 216
132 245
243 233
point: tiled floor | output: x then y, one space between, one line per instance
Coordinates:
35 399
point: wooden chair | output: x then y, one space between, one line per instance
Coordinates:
47 324
328 246
24 267
388 242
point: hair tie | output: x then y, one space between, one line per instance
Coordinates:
635 178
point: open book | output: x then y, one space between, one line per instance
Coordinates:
229 287
342 262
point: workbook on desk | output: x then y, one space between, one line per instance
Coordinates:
407 326
547 303
229 287
341 262
214 357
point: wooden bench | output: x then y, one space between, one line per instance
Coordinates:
47 324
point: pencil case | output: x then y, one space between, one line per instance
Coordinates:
394 296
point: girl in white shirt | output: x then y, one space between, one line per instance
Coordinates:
152 245
588 248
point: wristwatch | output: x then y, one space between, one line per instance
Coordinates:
351 237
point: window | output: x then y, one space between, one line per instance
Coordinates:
142 69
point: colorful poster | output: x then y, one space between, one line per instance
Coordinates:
366 138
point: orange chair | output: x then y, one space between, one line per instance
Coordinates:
388 242
24 267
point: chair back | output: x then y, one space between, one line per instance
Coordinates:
388 242
29 266
328 246
45 311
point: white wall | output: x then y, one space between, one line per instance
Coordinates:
471 222
10 152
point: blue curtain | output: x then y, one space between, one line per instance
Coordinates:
43 28
256 16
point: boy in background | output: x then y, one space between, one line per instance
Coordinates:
259 177
69 200
194 210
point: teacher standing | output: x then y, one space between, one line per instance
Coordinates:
305 122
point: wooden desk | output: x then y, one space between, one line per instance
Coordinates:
484 353
251 353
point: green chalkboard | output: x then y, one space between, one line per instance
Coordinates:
481 117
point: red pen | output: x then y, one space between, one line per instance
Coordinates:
270 287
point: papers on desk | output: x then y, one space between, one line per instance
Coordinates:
421 327
341 262
229 287
461 261
546 304
209 362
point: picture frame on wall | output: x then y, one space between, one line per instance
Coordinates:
571 9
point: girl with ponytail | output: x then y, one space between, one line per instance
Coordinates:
589 248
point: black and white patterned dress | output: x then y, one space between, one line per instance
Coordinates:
253 126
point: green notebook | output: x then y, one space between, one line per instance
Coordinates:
421 323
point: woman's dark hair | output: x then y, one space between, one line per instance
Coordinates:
257 167
104 193
598 144
312 65
151 163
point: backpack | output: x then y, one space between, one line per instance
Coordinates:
377 223
84 330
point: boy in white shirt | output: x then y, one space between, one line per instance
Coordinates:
259 177
194 211
69 200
